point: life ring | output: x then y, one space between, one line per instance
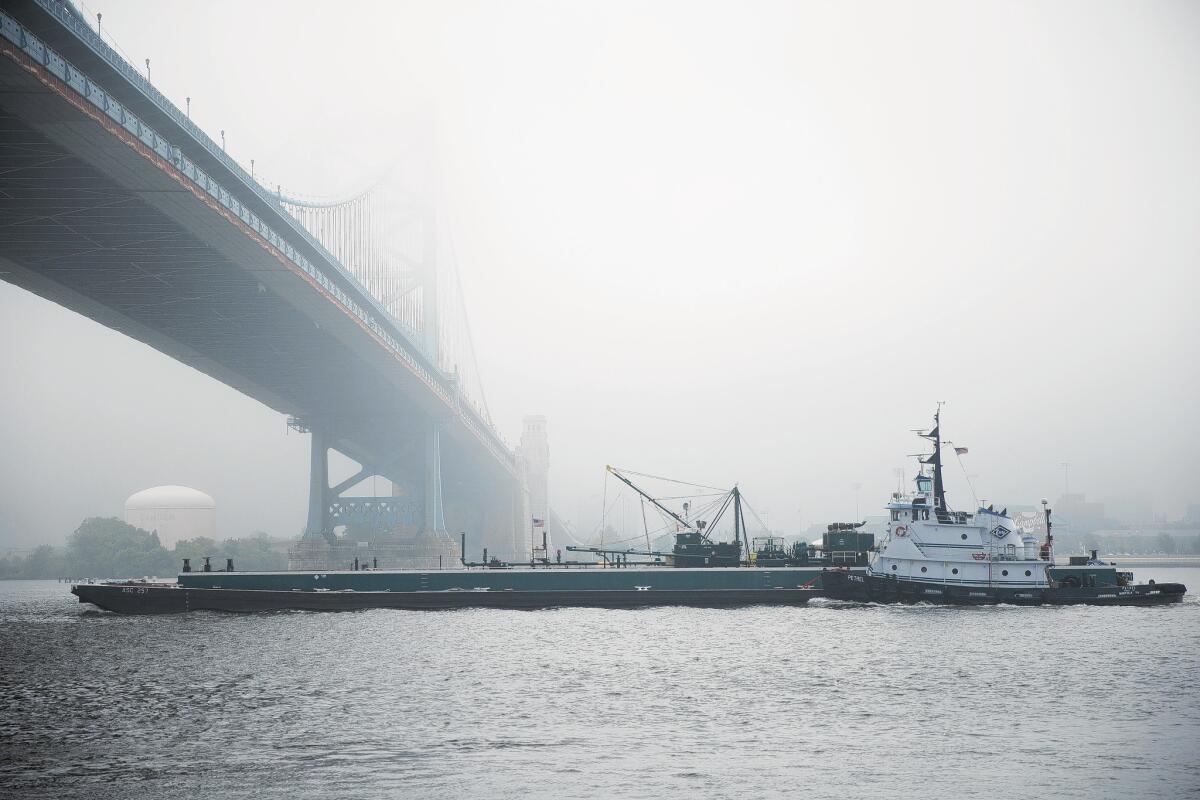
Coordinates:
900 530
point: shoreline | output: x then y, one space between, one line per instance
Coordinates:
1153 561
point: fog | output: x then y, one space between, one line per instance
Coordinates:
744 242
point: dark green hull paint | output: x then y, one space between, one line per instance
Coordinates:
520 579
464 588
873 589
144 599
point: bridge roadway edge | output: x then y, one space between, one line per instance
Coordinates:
55 23
170 192
158 198
80 303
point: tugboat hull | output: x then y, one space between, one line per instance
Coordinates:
865 588
133 598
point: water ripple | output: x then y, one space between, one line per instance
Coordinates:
830 701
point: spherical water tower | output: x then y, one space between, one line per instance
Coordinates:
176 512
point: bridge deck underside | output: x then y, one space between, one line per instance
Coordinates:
94 221
71 227
70 233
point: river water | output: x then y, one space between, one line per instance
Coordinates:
828 701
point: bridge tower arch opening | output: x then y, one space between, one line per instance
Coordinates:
404 529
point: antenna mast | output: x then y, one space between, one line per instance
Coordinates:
939 488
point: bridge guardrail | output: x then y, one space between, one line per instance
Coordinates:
96 43
93 93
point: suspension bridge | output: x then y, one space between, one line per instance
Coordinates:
345 315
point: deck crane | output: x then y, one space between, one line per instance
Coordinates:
693 547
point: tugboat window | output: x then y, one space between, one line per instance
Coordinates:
955 570
964 536
1004 572
1028 573
924 569
894 566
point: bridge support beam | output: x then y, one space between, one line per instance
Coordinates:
434 522
318 526
522 531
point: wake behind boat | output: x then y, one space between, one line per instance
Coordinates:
932 554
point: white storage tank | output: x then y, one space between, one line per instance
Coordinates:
176 512
1030 543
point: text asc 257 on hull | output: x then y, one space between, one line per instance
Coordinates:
931 554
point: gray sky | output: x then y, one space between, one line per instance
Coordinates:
746 241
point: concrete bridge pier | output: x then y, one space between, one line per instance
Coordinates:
494 512
434 516
506 522
521 525
406 529
318 526
496 523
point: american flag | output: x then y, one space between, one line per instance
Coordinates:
539 523
960 451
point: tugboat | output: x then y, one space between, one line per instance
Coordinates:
932 554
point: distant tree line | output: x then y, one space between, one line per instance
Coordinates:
106 547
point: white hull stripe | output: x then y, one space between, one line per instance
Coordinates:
999 583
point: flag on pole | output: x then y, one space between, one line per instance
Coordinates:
958 451
539 523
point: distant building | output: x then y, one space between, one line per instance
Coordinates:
1131 509
174 512
1073 512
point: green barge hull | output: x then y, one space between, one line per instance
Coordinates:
513 579
524 588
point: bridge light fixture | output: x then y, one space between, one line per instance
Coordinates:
147 69
189 107
222 140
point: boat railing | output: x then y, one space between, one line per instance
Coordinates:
1007 553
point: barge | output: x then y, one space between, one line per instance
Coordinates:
719 587
698 571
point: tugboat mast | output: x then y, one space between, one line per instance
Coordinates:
1048 547
939 489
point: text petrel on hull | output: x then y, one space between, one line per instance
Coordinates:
932 554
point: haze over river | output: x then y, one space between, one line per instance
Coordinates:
828 701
